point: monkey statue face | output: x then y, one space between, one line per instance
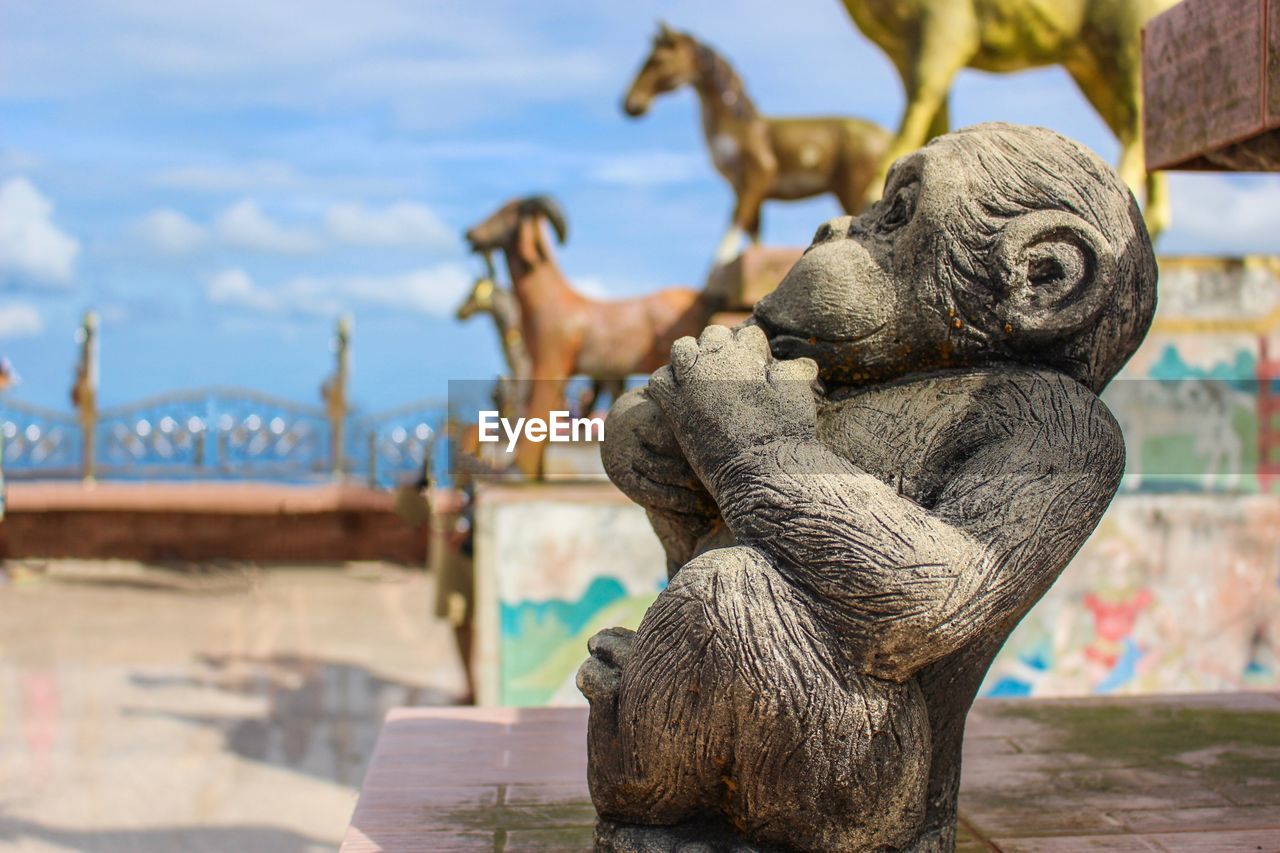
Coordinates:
973 255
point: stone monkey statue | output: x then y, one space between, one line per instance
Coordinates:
897 456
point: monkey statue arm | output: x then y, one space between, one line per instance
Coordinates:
904 584
642 458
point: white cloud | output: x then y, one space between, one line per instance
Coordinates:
245 226
256 176
234 287
434 291
395 53
32 247
170 232
1215 213
404 224
20 320
650 168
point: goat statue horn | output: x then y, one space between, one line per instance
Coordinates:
550 208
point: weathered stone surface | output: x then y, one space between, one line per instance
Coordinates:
860 493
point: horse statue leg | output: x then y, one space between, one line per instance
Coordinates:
753 227
730 245
1112 83
756 174
947 41
1158 212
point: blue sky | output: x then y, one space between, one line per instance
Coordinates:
222 179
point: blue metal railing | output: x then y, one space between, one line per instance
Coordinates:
221 433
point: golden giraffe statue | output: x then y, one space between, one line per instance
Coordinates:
1098 42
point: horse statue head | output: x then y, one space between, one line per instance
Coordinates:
672 62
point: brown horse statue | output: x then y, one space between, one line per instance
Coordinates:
1098 42
762 158
567 333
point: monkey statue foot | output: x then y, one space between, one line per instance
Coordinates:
907 447
613 837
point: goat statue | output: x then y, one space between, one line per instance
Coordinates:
566 333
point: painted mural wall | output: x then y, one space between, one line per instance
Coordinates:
554 565
1178 589
1172 593
1191 399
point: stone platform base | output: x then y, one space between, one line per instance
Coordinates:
1171 773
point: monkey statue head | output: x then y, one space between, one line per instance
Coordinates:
977 254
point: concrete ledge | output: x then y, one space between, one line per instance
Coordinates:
264 522
203 497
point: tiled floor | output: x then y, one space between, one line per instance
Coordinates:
1190 773
206 709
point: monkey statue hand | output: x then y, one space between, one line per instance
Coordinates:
725 394
643 459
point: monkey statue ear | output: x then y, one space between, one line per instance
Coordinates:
1055 270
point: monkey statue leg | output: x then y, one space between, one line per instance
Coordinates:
729 700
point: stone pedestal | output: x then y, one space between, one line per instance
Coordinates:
740 283
1192 772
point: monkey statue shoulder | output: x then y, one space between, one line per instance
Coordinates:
860 493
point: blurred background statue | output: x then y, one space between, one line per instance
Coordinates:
762 158
488 297
334 392
84 391
568 334
1098 42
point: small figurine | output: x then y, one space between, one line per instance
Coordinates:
489 297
